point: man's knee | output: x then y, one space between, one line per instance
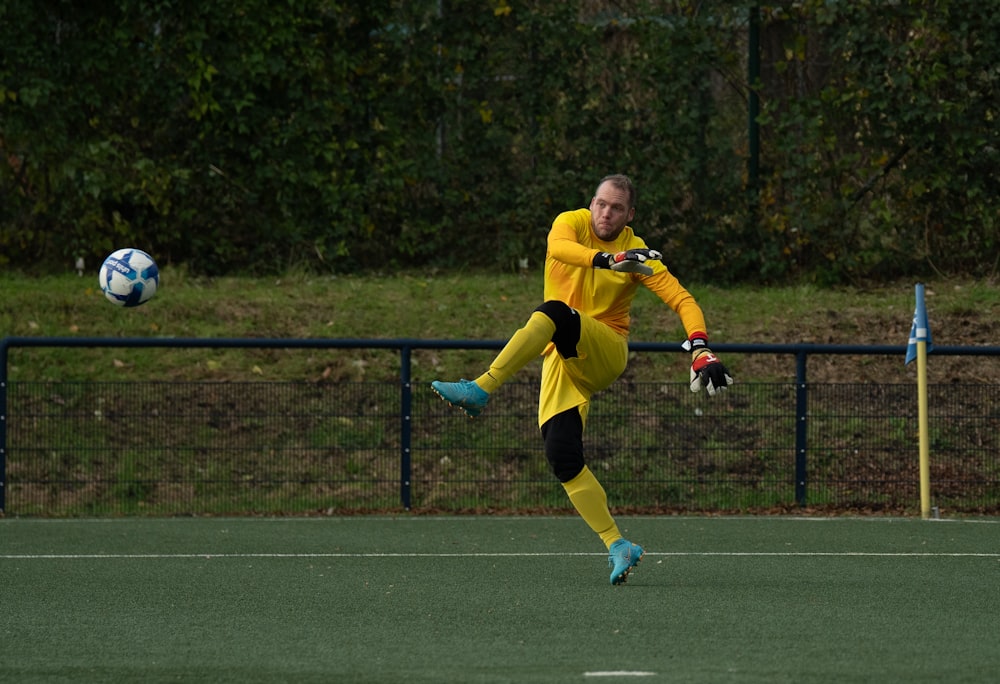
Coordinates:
563 436
567 321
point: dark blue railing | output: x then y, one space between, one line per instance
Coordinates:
801 352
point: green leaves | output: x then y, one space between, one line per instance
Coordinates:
254 136
895 78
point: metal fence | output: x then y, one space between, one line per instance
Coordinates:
176 448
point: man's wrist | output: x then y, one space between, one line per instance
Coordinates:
698 353
602 260
697 344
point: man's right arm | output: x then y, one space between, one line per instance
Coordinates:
564 244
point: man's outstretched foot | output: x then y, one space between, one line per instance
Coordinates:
623 556
465 394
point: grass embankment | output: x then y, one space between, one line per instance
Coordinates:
349 450
453 305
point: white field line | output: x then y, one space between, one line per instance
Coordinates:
620 673
505 519
738 554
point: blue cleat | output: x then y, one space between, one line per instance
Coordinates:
465 394
624 555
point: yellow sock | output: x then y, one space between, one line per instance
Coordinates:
523 346
591 503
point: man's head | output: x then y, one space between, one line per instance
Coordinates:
612 206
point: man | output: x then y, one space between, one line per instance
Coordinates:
593 268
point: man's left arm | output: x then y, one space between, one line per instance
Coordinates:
707 371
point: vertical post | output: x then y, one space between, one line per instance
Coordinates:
406 410
753 111
916 349
921 335
3 425
925 461
801 427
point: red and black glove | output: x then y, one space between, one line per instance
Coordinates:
706 370
629 261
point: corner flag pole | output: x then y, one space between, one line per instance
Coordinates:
919 344
925 459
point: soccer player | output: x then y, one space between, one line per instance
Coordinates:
593 268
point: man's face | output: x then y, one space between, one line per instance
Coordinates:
610 211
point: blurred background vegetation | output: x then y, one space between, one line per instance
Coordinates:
808 141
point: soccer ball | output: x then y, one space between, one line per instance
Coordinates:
129 277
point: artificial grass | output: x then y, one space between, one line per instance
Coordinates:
497 599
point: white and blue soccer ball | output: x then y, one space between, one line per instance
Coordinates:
129 277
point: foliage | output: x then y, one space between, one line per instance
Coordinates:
335 136
883 138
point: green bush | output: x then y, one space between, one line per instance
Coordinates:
882 138
334 136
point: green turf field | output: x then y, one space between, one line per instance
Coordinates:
498 599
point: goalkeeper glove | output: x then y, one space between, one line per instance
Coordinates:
706 370
629 261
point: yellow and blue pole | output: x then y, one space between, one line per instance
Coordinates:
919 345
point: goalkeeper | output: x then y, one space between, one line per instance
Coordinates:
593 268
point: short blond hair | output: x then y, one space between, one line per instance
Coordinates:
622 182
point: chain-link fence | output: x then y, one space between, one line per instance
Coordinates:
210 448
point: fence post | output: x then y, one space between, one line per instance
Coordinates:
801 427
3 425
406 412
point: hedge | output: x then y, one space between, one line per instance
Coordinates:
258 137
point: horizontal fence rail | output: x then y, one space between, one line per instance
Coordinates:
147 447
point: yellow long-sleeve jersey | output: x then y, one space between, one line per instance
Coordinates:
603 294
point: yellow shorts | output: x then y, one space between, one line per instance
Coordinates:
566 383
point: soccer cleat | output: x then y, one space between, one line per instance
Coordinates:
465 394
624 555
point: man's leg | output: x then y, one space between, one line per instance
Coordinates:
524 346
551 322
563 435
568 381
